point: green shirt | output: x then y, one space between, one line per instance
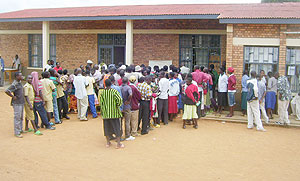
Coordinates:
216 75
110 102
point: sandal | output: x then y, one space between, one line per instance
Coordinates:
108 145
122 146
38 133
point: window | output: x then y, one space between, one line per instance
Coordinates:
200 50
36 50
261 58
111 48
293 67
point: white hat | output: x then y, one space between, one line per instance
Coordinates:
138 68
123 67
89 62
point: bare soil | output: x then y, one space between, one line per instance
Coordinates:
215 151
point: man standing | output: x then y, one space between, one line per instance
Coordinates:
215 80
222 89
58 67
80 84
162 101
253 103
127 95
146 94
284 98
110 102
199 77
135 105
244 92
17 63
48 89
1 71
48 66
261 97
15 91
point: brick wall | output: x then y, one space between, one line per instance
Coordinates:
178 24
74 50
10 45
155 47
107 24
256 31
20 25
293 28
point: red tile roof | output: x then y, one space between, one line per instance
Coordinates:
267 10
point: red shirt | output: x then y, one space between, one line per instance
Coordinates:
120 82
198 77
136 97
232 82
190 90
57 69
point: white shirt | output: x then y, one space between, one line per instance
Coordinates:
17 62
222 83
97 76
163 88
174 87
90 88
47 67
184 70
79 83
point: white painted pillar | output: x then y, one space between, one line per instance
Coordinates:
46 43
129 42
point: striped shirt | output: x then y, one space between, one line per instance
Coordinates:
110 102
38 97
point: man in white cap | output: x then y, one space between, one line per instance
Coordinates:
1 71
89 63
138 73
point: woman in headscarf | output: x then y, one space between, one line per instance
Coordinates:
39 102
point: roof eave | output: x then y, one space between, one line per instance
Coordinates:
259 21
207 16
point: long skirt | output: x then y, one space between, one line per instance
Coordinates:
244 100
190 112
222 99
172 105
73 102
270 100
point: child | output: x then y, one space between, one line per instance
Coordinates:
29 114
91 93
48 88
15 91
191 99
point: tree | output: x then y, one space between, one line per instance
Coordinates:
278 1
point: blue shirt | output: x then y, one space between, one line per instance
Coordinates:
244 83
2 64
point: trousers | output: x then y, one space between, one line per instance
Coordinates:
18 118
144 108
82 105
62 106
38 108
263 111
55 108
254 114
127 116
134 122
92 105
283 111
163 107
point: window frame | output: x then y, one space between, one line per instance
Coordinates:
292 64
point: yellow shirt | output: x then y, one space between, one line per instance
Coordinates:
48 86
90 88
29 92
60 91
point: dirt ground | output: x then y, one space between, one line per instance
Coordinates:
215 151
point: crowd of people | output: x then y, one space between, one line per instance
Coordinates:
142 98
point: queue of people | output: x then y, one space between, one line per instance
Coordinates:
142 98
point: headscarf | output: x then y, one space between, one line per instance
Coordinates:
35 82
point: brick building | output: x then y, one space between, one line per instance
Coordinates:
246 36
